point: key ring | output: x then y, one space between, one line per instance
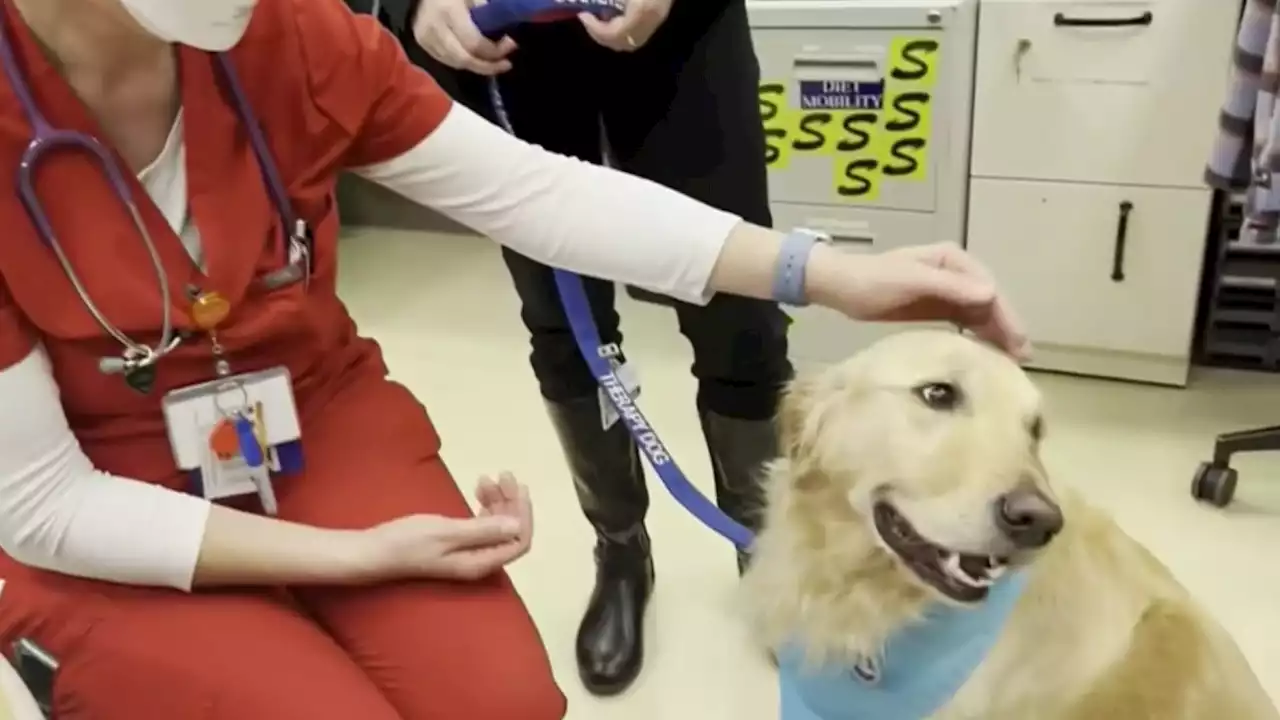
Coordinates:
226 388
132 359
145 356
138 356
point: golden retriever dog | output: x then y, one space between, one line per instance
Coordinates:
910 476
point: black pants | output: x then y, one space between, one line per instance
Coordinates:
682 111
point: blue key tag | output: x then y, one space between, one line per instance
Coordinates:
255 460
258 433
250 449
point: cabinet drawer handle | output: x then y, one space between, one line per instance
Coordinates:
1063 21
843 61
1122 236
843 233
847 239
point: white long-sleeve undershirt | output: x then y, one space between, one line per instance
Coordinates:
59 513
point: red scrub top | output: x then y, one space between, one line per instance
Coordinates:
332 90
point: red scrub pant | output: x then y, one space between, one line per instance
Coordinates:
415 650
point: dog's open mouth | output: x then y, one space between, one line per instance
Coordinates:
959 576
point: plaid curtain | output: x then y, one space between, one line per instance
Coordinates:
1246 154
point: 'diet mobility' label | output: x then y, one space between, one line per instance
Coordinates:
874 131
841 95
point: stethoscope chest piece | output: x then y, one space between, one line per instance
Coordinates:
137 363
141 379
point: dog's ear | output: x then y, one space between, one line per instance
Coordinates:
796 423
800 420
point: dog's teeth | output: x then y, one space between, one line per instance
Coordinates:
995 572
983 582
951 564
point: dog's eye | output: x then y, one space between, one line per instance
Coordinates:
939 396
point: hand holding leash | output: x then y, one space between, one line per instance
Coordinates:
496 16
631 30
445 29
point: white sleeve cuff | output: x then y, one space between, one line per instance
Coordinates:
560 211
58 513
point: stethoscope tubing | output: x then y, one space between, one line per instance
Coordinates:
45 139
137 355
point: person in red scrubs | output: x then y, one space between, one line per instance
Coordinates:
355 582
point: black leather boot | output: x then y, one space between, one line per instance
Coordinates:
739 450
609 479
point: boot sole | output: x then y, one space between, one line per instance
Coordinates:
613 689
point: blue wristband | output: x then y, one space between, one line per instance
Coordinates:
793 258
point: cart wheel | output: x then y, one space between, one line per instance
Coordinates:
1213 484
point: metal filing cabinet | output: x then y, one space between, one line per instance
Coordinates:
1093 123
867 106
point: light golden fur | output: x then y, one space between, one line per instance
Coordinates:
1103 631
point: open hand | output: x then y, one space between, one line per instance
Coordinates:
507 498
444 29
928 282
632 29
432 546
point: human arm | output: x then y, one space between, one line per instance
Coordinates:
59 513
631 30
603 223
445 30
403 132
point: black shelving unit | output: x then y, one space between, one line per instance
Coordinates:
1240 320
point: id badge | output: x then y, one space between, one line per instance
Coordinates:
630 380
231 435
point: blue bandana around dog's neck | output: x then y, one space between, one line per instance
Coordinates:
922 668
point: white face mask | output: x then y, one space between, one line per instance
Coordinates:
212 25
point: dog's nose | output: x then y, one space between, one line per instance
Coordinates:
1028 517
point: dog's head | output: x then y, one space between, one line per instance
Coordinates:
927 446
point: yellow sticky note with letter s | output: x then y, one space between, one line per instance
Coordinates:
858 156
908 107
907 134
913 63
779 124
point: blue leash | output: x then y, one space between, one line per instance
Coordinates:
923 666
492 18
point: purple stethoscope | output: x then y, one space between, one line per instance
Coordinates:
492 19
138 360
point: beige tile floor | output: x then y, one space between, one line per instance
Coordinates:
443 310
